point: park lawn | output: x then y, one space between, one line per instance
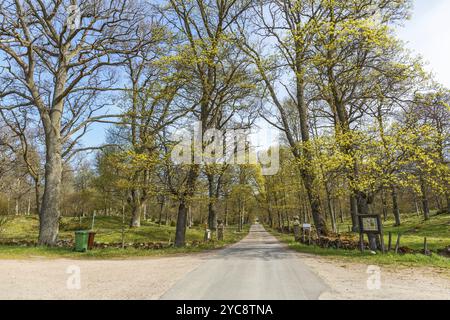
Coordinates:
413 230
109 231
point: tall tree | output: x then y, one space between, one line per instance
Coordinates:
353 52
57 57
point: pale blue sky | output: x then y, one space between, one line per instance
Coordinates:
426 34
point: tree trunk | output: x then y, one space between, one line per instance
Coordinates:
331 209
425 205
286 213
417 206
439 204
241 217
363 205
136 209
212 213
188 216
161 208
51 200
37 195
341 212
275 199
316 213
384 205
395 207
280 226
212 217
354 212
226 212
238 221
307 218
191 219
180 234
448 203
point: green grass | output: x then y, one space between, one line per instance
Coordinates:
15 252
108 232
366 257
413 230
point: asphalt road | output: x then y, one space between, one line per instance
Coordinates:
257 268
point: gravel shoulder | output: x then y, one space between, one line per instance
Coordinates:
142 279
357 281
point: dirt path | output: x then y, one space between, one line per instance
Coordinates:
261 260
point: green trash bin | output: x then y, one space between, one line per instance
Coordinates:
81 240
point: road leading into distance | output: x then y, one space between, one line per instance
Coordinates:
257 268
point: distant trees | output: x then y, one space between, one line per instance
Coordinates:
24 145
427 120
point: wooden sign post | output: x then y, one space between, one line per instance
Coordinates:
371 226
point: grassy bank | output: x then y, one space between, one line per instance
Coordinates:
109 231
413 230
